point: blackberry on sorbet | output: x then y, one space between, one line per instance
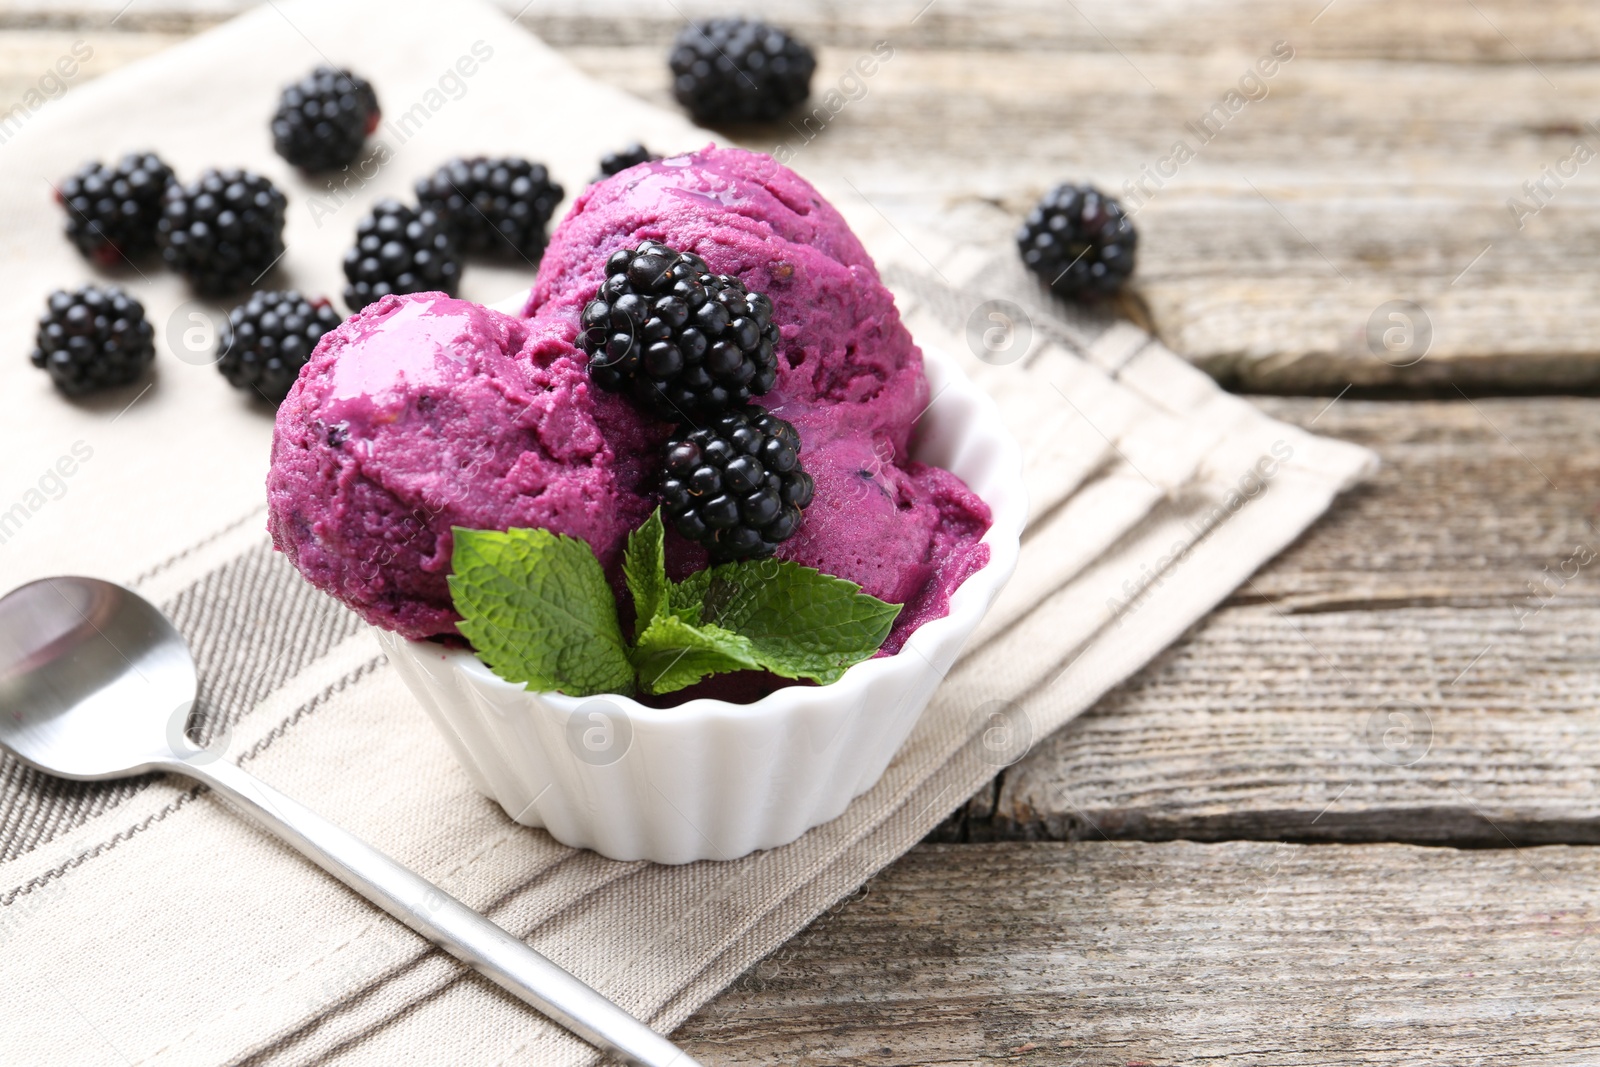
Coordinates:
1079 241
93 338
223 230
400 249
617 162
682 341
112 212
496 206
324 118
739 70
268 339
736 485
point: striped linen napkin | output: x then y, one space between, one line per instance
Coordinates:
144 923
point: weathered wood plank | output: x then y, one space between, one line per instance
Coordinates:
1369 127
1559 32
1474 500
1552 32
1418 667
1422 725
1097 954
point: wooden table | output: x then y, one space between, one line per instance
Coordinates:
1347 818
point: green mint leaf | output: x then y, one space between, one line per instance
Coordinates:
800 622
671 654
537 608
686 599
644 565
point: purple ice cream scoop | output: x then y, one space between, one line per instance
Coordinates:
850 378
749 216
424 412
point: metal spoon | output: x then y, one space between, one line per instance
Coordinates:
91 675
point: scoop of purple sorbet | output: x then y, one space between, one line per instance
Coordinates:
850 378
749 216
907 533
424 412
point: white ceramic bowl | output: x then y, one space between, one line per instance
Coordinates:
709 779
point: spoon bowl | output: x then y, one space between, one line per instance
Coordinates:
94 681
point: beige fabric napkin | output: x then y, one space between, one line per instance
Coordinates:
143 923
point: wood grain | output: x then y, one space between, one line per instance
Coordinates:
1473 501
1267 726
1554 32
1456 591
1099 954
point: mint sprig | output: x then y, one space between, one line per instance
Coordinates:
672 654
800 622
644 566
538 609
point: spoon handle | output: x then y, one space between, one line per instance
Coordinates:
444 920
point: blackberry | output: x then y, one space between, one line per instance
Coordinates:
739 70
496 206
112 212
223 230
1079 241
682 341
323 119
400 249
94 338
736 485
617 162
269 338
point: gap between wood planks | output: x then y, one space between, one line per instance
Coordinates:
1119 954
1419 667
